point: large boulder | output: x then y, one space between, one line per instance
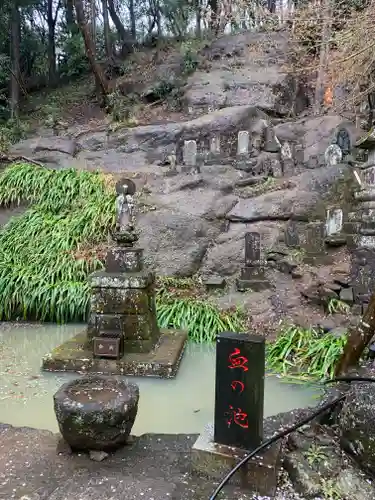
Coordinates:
155 141
96 412
312 135
176 242
245 69
297 202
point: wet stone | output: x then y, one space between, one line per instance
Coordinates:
96 412
120 301
357 423
291 234
120 259
346 295
215 283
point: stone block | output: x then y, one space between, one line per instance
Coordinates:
135 329
102 279
120 260
121 301
212 460
346 295
214 283
253 285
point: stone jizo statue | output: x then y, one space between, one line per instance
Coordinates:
125 229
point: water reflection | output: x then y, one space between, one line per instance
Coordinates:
184 404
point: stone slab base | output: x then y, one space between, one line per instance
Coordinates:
162 361
213 460
254 285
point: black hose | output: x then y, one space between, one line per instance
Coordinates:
291 429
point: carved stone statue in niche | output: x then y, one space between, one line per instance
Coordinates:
124 232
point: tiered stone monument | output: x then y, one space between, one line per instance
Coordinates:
122 335
361 228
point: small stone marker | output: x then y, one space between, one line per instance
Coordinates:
314 244
238 426
243 142
286 152
334 221
291 234
239 390
287 160
215 145
214 283
190 155
252 249
343 141
333 155
252 274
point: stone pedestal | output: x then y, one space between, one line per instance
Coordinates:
123 304
214 461
252 278
122 334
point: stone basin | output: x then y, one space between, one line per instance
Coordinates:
96 412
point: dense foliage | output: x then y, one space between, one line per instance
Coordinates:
45 253
305 353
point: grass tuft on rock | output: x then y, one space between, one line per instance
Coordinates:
42 271
304 353
182 303
47 253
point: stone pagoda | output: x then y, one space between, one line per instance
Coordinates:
122 335
361 227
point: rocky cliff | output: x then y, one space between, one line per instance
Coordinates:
193 220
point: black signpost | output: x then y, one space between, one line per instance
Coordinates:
239 399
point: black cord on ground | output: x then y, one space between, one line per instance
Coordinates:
291 429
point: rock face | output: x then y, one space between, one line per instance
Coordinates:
318 468
194 220
246 69
96 412
357 424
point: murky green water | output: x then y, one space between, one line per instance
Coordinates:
182 405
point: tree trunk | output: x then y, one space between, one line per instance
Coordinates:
132 20
214 21
358 339
51 50
107 33
16 74
323 58
100 79
123 34
69 14
93 24
198 18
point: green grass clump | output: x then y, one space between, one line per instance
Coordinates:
202 320
183 303
303 353
42 274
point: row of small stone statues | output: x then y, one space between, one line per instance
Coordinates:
244 152
245 148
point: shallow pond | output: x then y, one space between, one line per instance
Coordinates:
182 405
